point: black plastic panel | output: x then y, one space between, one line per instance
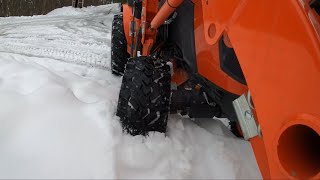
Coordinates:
181 32
229 63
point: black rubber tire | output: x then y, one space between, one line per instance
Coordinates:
119 54
144 98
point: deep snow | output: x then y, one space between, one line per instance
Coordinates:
57 110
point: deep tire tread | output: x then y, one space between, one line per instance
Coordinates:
143 104
119 54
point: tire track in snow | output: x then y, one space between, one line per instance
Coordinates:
44 20
82 40
66 55
89 46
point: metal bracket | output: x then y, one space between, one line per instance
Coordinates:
246 118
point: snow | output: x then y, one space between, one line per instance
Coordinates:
58 103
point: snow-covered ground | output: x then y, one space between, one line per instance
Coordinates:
57 110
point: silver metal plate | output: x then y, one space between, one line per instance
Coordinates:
246 118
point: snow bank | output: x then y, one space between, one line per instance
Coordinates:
57 111
93 10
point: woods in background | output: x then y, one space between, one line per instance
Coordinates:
37 7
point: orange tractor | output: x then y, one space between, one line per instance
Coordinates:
255 62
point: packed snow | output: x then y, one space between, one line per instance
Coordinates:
57 111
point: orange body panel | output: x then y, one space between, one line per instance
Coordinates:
149 10
208 60
127 18
277 44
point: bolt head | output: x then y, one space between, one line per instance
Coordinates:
248 115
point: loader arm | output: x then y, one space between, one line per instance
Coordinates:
277 44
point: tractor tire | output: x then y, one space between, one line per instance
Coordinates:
119 54
144 98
